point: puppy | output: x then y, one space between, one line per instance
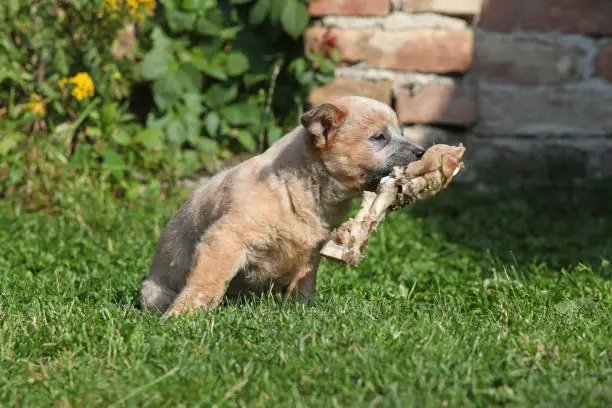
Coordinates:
259 226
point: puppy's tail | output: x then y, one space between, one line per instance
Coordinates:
155 297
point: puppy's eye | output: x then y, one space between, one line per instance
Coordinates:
379 137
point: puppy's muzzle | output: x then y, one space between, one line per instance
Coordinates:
401 155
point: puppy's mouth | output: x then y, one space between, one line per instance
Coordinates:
373 178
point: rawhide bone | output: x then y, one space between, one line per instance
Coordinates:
416 182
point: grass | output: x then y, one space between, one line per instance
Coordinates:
465 300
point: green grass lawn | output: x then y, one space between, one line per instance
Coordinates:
462 300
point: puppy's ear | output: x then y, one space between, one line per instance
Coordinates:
322 122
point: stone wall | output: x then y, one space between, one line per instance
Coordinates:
526 85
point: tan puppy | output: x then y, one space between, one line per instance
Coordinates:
260 225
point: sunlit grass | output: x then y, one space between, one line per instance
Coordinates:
462 300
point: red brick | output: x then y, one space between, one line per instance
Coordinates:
571 16
438 103
379 90
604 61
453 7
349 7
528 59
423 49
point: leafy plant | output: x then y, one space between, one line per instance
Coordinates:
181 86
64 90
218 71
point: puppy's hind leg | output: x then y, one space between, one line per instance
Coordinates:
218 259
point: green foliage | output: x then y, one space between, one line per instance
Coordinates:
62 91
429 318
180 86
238 55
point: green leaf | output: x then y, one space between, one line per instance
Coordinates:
207 146
175 131
208 67
299 66
181 21
327 66
276 10
229 33
240 1
322 78
246 139
274 133
9 142
193 101
160 40
306 77
225 127
188 163
219 58
237 64
215 72
151 138
252 79
189 77
121 136
113 160
108 114
259 12
209 48
94 132
155 64
13 8
60 61
218 95
240 114
166 91
192 126
158 122
213 13
211 122
294 18
207 27
191 4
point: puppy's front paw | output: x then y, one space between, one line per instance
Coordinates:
189 302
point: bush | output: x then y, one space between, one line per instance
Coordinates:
130 92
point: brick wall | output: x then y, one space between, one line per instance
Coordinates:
525 84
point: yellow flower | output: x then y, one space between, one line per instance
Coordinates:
83 86
36 105
116 75
135 6
112 4
149 6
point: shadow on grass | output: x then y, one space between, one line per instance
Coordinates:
559 227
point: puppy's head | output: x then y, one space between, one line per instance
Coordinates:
359 140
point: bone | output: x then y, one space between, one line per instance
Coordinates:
418 181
